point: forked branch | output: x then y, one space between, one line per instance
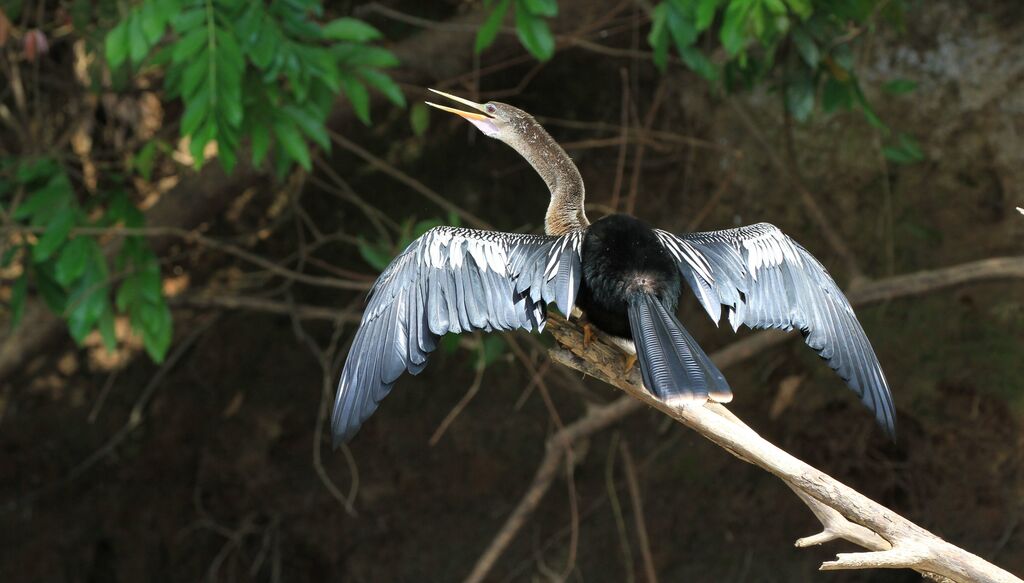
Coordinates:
843 512
894 541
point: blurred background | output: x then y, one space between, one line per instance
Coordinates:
196 195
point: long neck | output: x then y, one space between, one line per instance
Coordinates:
565 211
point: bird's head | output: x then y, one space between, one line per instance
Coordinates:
496 120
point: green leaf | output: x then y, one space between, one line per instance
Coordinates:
802 8
157 336
51 292
350 29
187 46
420 228
116 44
899 86
189 20
366 56
385 85
658 37
292 143
374 255
696 60
138 46
127 293
906 151
358 96
312 127
71 263
56 194
683 32
836 95
866 109
18 292
152 20
488 31
259 135
55 236
545 8
196 111
106 326
143 160
493 347
706 14
534 34
419 119
800 96
734 26
807 48
450 343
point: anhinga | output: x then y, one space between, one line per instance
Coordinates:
625 277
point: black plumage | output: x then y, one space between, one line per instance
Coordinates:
625 277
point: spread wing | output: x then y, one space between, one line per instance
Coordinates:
764 279
450 280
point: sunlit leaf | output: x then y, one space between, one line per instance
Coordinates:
350 29
806 46
419 119
358 97
55 236
488 31
899 86
545 8
385 85
116 45
71 263
534 34
292 143
374 255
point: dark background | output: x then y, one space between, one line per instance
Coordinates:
218 479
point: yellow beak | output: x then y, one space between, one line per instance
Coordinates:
469 115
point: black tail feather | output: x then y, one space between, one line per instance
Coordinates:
672 363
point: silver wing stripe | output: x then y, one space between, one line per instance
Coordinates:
451 280
764 279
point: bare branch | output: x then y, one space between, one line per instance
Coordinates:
601 417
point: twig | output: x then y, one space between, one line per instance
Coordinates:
638 513
817 215
613 498
407 180
196 237
464 401
638 155
301 311
620 164
135 416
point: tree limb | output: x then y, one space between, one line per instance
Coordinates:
843 512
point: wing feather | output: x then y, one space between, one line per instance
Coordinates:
764 279
450 280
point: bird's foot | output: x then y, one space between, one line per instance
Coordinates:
630 361
588 334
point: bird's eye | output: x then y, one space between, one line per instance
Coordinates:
490 108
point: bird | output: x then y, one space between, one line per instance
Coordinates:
623 276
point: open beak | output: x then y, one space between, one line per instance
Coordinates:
482 121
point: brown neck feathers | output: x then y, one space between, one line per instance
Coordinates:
565 211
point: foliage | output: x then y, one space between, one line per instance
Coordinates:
531 25
804 47
266 71
263 72
70 271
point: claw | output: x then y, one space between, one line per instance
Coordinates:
630 361
588 334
